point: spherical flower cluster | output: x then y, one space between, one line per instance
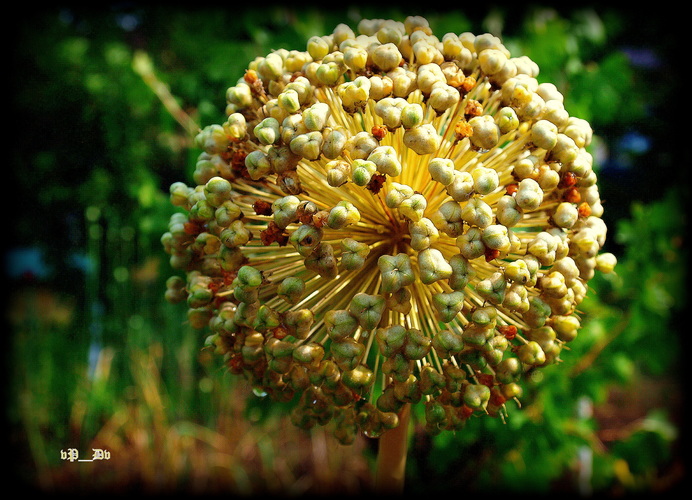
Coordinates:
386 218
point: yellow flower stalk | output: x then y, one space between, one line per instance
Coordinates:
389 218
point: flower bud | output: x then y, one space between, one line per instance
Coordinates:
386 56
217 190
235 235
531 354
448 218
485 180
342 215
496 237
307 145
447 343
334 143
493 288
396 272
423 234
413 207
267 131
412 115
606 262
476 396
422 139
478 213
565 215
544 134
353 253
347 353
291 289
284 210
448 305
470 243
316 116
340 324
442 170
322 261
486 133
362 171
433 266
397 194
305 239
257 164
367 309
461 187
529 195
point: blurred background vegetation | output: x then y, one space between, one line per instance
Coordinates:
96 359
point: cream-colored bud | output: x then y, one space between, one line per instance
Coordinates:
315 117
461 187
413 207
478 213
606 262
318 47
362 171
422 139
397 194
544 134
565 215
386 56
485 180
486 133
423 233
471 243
442 170
386 159
529 195
433 266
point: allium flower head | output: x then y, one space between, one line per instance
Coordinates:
389 217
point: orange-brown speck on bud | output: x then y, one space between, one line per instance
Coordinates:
572 195
250 76
512 189
473 108
463 129
262 207
568 180
508 331
584 209
379 131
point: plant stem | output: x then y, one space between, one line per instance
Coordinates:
391 456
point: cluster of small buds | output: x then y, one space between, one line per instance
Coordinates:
389 218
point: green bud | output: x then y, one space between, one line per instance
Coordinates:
289 100
496 237
299 322
508 212
485 180
431 381
448 218
217 190
396 272
353 253
448 305
531 354
417 345
461 187
338 172
334 143
400 301
291 289
284 210
486 133
391 340
248 276
318 47
508 370
386 56
368 309
485 316
471 244
267 131
266 319
347 353
226 213
315 117
362 171
322 261
493 288
476 396
307 145
359 378
397 194
235 235
462 272
258 164
305 239
566 327
340 324
507 120
447 343
309 354
329 73
412 115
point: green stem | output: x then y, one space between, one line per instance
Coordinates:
391 456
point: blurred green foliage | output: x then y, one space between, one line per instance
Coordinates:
93 151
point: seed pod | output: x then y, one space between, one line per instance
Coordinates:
342 215
367 309
448 305
396 272
442 170
447 343
353 253
433 266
